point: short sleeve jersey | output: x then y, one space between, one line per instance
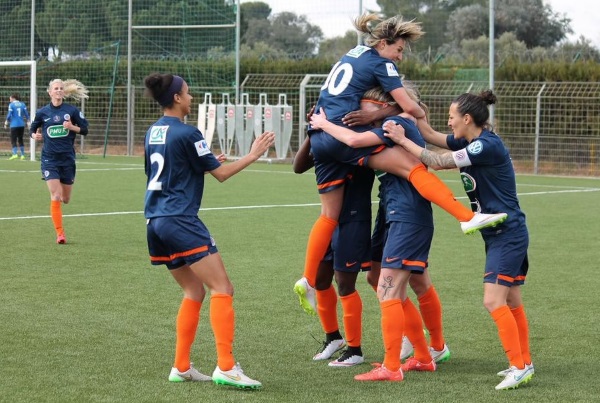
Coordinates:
17 114
176 160
359 70
488 178
402 201
58 141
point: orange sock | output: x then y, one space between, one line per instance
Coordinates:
318 243
56 214
352 307
327 309
413 329
222 321
392 327
523 326
187 324
509 335
433 189
431 311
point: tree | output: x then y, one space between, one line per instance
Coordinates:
532 22
252 13
335 48
285 31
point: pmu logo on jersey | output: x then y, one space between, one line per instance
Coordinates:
57 131
201 148
158 135
468 182
475 147
391 69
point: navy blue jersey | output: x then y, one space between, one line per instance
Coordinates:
402 201
488 177
359 70
176 159
17 114
58 141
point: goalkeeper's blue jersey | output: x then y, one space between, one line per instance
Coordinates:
176 159
17 114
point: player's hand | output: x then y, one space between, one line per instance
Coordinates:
357 118
221 158
262 143
394 132
318 120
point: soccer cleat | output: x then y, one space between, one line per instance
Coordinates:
440 355
13 157
61 239
505 372
234 377
407 349
329 348
381 373
347 359
412 364
307 295
190 375
516 377
480 221
22 157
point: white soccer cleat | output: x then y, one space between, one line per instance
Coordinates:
347 359
191 375
515 377
307 296
234 377
440 355
505 372
407 350
329 348
481 220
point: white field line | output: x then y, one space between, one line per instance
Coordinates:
208 209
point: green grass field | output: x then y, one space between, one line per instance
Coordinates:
93 321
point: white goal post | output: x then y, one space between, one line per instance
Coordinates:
32 92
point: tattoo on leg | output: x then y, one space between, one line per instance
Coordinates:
386 285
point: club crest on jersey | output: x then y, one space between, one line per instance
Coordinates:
392 70
357 51
201 148
67 116
158 135
475 147
56 118
468 182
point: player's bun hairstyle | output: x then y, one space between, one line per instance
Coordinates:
390 30
72 89
377 94
476 106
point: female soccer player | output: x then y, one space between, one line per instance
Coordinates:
176 160
488 177
361 69
60 123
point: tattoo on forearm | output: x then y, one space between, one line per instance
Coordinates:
386 285
436 160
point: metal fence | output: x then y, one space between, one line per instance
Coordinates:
550 128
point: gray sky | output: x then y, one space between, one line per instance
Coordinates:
335 16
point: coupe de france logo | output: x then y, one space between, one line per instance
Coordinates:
158 135
391 70
201 148
475 147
